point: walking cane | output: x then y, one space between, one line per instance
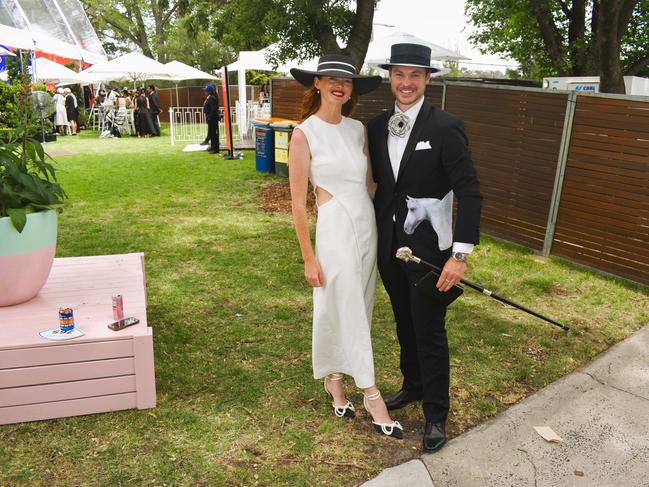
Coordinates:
405 254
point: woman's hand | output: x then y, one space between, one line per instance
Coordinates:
313 273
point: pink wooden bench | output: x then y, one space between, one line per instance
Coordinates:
98 372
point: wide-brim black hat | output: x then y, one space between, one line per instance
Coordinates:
339 66
415 55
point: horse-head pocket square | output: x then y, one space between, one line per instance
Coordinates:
423 145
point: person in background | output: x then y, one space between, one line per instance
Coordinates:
111 96
101 97
154 103
124 100
144 123
420 156
72 109
61 118
211 111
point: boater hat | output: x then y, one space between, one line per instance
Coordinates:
414 55
339 66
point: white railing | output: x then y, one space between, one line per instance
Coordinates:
188 124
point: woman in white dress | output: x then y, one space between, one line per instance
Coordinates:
61 117
329 150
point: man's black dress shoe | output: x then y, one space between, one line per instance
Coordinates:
401 399
434 436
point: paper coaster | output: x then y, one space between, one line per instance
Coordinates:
57 334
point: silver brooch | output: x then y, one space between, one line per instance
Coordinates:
399 124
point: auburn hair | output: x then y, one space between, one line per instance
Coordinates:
311 103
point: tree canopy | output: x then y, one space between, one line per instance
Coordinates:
608 38
208 33
300 29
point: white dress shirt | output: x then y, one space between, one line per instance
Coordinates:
396 148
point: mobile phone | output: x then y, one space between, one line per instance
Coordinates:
121 324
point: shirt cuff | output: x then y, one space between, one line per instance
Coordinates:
465 248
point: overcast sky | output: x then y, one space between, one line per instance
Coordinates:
441 22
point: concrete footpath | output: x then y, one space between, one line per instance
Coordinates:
601 413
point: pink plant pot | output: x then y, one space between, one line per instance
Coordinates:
26 258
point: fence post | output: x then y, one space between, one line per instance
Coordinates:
171 124
560 172
444 85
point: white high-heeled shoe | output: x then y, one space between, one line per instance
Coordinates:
393 429
346 411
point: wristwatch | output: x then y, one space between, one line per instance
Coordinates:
459 256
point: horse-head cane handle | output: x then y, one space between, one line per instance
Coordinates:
405 254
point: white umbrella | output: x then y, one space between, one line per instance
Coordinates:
132 66
48 71
378 51
181 71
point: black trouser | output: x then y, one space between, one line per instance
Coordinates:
213 133
422 336
156 124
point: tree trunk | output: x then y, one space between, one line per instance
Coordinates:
576 38
360 35
613 19
551 36
361 32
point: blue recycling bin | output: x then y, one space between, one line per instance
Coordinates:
264 147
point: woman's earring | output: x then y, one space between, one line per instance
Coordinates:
318 91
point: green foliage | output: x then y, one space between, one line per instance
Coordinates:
510 29
27 180
201 49
9 110
13 113
636 40
295 26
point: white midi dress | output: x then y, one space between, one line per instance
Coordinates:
61 117
346 249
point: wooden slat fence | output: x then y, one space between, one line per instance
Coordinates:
287 99
603 217
516 139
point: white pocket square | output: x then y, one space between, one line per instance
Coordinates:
423 145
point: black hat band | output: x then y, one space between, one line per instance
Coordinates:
409 59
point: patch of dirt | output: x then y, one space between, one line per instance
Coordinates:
276 198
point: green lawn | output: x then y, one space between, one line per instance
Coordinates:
231 316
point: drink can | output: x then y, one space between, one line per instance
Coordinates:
118 307
66 320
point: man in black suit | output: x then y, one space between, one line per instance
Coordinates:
420 160
211 111
154 104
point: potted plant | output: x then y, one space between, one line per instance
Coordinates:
29 200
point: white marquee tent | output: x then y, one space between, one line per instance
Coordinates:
257 60
378 51
58 27
48 72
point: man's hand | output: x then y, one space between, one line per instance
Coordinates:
451 274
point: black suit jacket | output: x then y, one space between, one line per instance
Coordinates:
428 173
211 107
154 103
